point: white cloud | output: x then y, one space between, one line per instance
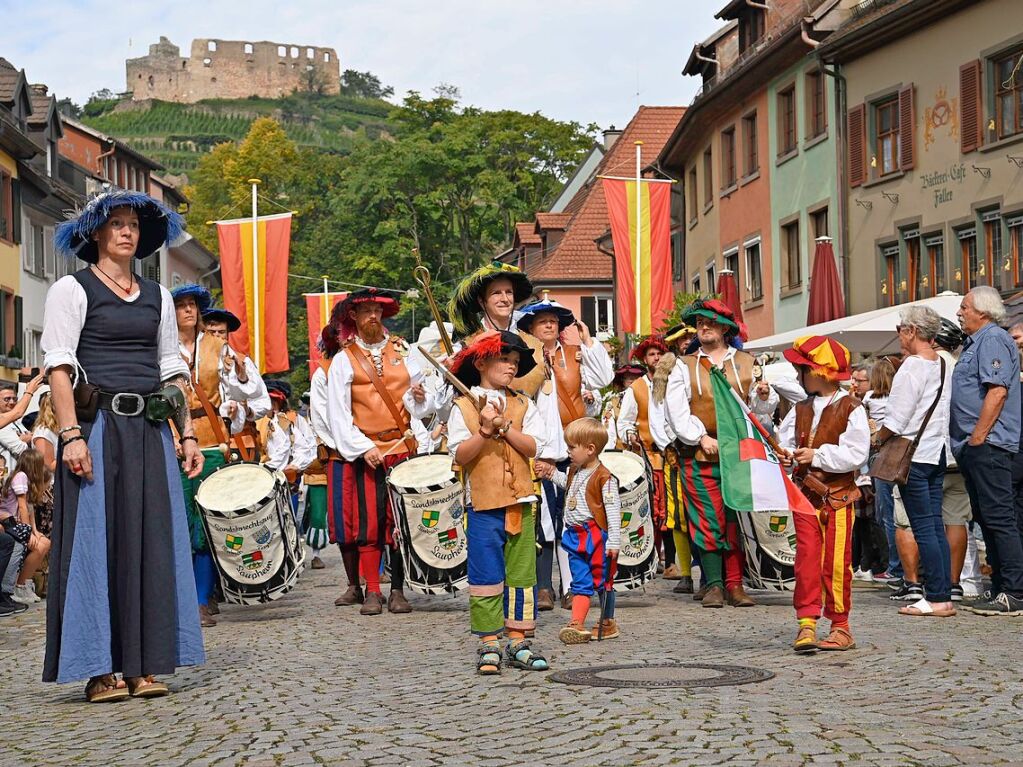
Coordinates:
570 59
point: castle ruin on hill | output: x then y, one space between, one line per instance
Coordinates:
231 69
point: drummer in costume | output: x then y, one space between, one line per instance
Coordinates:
217 377
569 371
678 554
220 323
493 446
287 439
641 423
829 435
373 392
486 300
713 528
121 594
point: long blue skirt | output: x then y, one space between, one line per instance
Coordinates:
121 595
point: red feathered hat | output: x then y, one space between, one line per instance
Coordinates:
648 343
491 344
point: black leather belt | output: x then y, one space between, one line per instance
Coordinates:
124 403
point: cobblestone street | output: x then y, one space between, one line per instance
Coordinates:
301 682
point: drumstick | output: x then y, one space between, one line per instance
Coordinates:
451 379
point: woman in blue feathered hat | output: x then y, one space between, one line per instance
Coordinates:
121 596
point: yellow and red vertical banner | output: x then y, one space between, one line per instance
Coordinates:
255 278
318 307
643 274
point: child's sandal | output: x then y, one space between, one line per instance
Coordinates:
520 656
489 662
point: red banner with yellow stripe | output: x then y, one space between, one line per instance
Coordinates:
255 279
318 307
642 276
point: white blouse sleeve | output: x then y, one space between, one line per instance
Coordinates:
278 445
852 449
63 319
171 364
686 426
596 368
303 451
458 432
628 412
318 407
532 426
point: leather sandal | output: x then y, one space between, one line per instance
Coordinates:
806 640
489 661
146 687
519 655
106 688
838 640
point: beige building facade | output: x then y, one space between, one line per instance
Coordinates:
933 113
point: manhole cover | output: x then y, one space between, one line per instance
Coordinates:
663 675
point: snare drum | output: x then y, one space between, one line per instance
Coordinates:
770 546
246 510
429 524
637 558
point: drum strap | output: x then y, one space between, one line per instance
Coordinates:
216 423
378 384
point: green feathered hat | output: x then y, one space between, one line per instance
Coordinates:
464 308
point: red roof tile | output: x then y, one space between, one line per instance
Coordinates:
576 256
525 234
552 220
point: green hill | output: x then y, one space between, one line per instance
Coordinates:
175 135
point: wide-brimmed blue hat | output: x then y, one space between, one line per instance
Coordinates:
529 313
217 314
158 225
203 299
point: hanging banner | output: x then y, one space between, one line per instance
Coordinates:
318 307
256 288
647 272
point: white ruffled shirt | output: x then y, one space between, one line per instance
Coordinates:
64 318
318 407
628 415
349 441
248 397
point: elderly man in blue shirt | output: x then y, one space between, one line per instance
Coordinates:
984 426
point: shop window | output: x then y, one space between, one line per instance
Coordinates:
787 121
754 276
750 150
919 280
893 285
1015 254
991 261
968 257
934 247
728 179
816 105
791 275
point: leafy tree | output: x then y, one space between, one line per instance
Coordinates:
364 85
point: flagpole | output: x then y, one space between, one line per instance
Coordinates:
257 341
637 256
325 313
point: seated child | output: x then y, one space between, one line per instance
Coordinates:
593 528
492 435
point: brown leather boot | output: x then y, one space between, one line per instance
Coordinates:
212 607
353 596
396 603
317 564
737 597
373 604
715 597
544 600
701 593
684 585
566 600
205 619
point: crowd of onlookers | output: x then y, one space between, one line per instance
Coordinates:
28 445
963 496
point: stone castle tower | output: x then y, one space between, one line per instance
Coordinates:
231 69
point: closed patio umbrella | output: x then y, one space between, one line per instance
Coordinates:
827 301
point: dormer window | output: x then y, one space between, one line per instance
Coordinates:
752 25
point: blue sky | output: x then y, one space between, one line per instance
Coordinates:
581 60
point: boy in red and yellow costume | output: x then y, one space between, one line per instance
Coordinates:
829 437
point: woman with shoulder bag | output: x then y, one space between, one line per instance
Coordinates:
121 591
913 437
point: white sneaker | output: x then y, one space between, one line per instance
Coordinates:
23 595
863 575
31 585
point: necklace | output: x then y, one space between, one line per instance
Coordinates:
131 280
578 483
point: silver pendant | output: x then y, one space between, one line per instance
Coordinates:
572 503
